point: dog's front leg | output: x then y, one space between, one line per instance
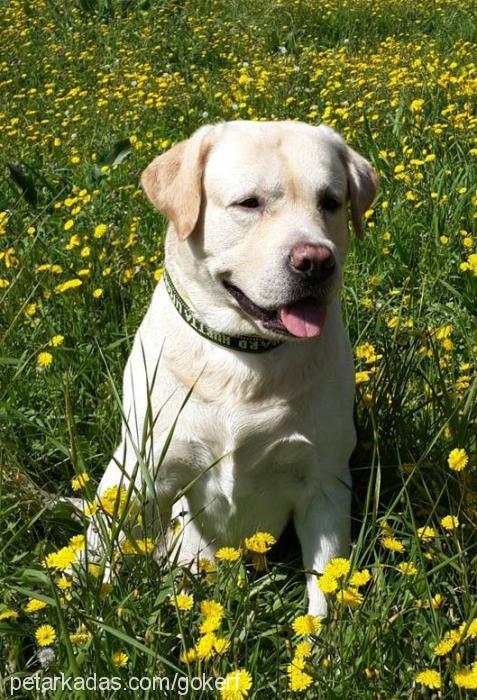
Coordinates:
322 523
132 498
119 489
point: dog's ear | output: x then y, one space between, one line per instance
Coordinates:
363 180
363 183
173 181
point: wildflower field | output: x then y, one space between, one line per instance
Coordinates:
90 92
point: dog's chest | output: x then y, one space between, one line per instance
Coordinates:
249 468
254 451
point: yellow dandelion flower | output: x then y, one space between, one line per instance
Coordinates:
429 678
436 601
458 459
61 560
80 637
68 224
450 522
210 608
206 565
426 533
471 629
337 567
97 293
361 377
80 480
350 597
45 635
327 584
260 542
56 341
305 625
210 624
44 359
212 613
8 615
392 544
138 546
416 105
183 601
228 554
236 685
363 351
221 645
374 673
188 656
100 230
444 332
63 583
303 650
90 509
208 568
120 659
69 284
298 679
76 542
471 263
360 578
407 568
466 678
113 500
446 645
34 605
205 646
74 242
393 322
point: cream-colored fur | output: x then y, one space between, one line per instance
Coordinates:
262 438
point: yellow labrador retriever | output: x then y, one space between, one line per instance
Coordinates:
247 320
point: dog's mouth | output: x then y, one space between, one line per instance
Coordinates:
303 318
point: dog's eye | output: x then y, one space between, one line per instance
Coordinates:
249 203
329 203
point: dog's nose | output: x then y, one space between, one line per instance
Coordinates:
312 261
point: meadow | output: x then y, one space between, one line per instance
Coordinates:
90 92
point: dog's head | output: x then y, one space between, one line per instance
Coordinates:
260 218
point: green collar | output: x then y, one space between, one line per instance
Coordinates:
243 343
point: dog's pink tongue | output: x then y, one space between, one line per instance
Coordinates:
303 319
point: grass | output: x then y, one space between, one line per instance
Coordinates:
91 92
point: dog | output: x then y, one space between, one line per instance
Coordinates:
239 390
